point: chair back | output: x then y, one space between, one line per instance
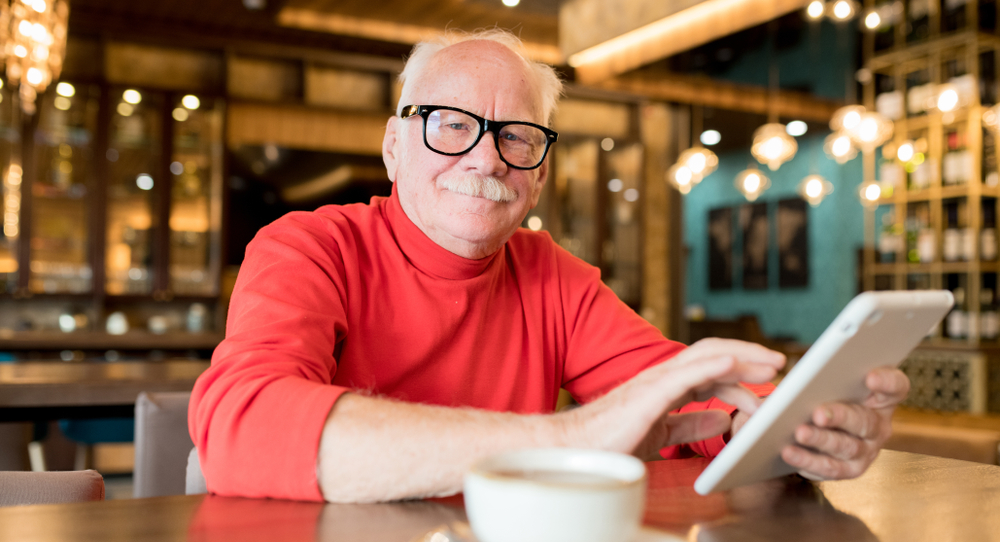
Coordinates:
25 487
162 443
195 479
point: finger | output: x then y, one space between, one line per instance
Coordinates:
852 418
889 387
836 444
695 426
821 466
733 394
744 351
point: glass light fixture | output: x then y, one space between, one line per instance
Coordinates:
773 146
710 137
751 183
843 10
872 20
814 188
700 161
34 45
796 128
680 177
947 98
846 118
839 147
815 9
869 193
871 131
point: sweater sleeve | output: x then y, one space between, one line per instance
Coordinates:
257 413
608 343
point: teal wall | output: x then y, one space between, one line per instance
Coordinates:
835 233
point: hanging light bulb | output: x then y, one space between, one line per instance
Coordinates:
680 177
814 188
815 9
751 183
947 99
846 118
838 146
871 131
843 10
700 161
773 146
869 193
35 36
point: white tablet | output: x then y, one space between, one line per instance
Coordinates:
875 329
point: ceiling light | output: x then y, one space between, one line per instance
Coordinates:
872 20
751 183
871 131
815 9
839 147
796 128
681 178
132 96
710 137
191 102
511 3
846 117
699 160
65 89
843 10
869 193
814 188
773 146
144 181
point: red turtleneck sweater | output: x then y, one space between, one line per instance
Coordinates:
356 297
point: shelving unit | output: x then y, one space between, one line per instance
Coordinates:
935 224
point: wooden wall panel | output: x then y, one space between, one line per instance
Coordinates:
259 79
164 68
586 117
349 89
299 127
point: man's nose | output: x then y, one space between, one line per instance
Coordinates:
485 158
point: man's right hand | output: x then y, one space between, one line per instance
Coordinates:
636 416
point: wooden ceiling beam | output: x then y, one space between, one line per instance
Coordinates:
681 31
709 92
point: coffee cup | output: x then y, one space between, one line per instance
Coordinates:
556 495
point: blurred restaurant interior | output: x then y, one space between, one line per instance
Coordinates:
742 176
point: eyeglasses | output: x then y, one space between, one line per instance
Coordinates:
451 131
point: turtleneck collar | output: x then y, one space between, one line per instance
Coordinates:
425 254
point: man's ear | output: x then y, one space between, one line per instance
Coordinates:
390 147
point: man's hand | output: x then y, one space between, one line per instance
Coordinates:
843 439
636 416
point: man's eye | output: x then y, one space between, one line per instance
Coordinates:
457 126
510 137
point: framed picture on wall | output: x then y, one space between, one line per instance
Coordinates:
792 223
720 248
756 238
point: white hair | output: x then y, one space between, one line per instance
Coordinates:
548 83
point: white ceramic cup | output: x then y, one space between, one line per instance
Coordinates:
556 495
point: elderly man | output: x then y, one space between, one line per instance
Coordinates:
374 351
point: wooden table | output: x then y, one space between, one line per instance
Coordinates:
39 391
903 497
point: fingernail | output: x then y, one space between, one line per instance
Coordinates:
827 415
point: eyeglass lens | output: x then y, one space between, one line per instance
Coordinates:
454 132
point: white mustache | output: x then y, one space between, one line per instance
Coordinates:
478 186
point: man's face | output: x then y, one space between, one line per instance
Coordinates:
486 79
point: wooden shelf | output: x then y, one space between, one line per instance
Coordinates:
97 340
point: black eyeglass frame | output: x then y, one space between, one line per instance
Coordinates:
485 125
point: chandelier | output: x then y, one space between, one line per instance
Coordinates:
814 188
682 178
871 131
34 43
838 146
699 160
751 183
772 145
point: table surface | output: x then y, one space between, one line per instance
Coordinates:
902 497
52 390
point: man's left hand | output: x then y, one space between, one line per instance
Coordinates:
844 438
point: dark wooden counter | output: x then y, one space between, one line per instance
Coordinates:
36 391
902 498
